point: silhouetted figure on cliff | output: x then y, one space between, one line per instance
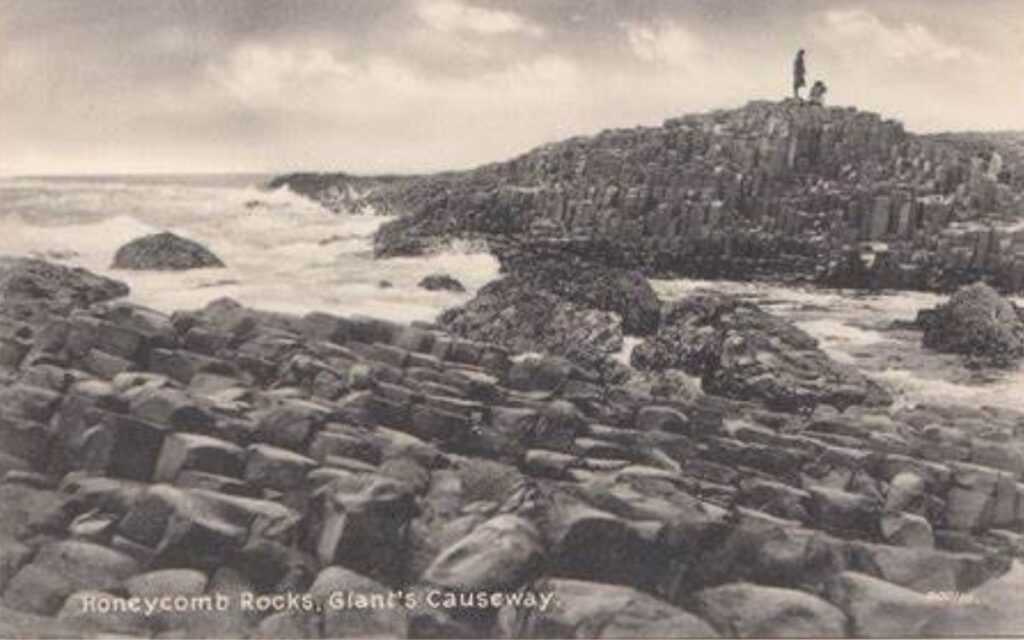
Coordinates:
799 74
818 90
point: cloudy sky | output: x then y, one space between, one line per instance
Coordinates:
104 86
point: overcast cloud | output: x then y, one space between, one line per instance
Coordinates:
106 86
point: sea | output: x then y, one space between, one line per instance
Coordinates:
286 253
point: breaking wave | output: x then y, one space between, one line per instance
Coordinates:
283 252
286 253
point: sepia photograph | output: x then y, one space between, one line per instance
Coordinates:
511 319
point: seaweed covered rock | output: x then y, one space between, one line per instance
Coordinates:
556 302
741 351
977 323
516 316
589 283
164 252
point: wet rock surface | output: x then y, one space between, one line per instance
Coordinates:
235 451
743 352
164 252
978 323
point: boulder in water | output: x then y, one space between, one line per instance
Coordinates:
441 282
164 252
741 351
977 323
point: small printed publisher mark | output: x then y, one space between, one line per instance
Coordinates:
954 597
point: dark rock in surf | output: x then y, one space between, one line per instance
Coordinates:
441 282
164 252
977 323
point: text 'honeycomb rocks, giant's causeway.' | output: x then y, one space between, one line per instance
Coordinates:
237 473
772 189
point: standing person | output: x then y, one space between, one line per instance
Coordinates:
799 74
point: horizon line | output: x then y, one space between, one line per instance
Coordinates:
409 172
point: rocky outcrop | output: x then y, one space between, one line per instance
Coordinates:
589 282
164 252
441 282
29 286
772 189
977 323
234 451
740 351
351 194
554 303
519 317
